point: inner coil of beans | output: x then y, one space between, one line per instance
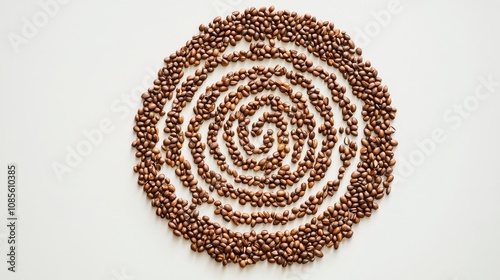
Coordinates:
305 132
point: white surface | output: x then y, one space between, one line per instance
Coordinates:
441 222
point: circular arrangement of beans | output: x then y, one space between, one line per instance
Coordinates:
293 158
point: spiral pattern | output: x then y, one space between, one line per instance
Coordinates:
264 136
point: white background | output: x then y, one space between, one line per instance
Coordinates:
441 220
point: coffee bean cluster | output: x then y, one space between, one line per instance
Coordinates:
303 129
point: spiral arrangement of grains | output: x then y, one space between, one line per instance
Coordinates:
291 160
